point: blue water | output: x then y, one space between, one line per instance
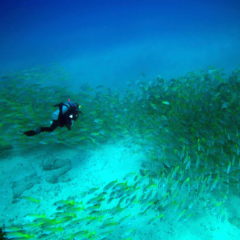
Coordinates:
113 42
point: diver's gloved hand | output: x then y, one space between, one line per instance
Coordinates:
32 132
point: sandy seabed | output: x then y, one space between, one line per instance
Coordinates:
26 175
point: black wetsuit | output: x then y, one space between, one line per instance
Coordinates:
67 113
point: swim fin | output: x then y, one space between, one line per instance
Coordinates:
30 133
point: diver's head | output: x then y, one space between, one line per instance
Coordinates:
74 114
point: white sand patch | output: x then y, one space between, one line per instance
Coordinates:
93 168
207 227
11 169
108 163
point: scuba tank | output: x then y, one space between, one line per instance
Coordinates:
55 114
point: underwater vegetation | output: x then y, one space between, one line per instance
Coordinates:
188 127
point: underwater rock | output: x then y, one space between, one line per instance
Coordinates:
5 147
55 169
235 221
23 184
53 163
58 175
5 150
234 211
2 235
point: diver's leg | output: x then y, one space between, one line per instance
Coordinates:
53 126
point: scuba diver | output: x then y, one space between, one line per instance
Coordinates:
64 116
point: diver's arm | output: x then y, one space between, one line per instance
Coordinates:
69 124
